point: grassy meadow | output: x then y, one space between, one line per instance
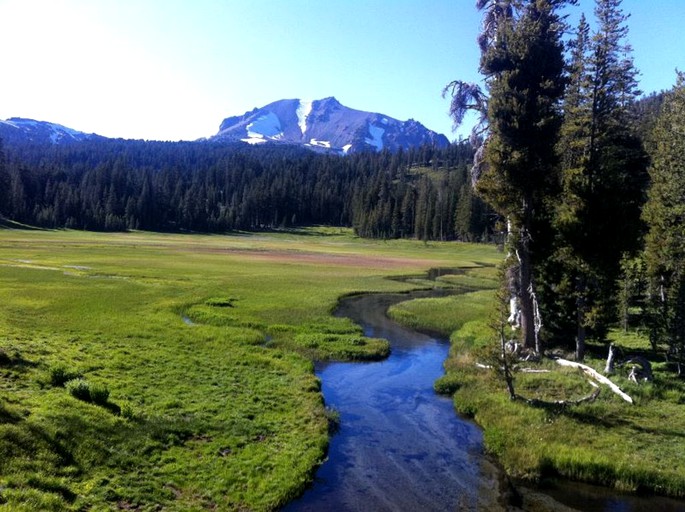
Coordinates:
145 371
636 447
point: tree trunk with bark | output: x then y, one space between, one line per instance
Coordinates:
528 332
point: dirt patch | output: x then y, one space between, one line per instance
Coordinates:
316 258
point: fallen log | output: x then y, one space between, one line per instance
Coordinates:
643 373
594 374
536 402
522 370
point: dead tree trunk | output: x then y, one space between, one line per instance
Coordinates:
524 311
506 369
609 367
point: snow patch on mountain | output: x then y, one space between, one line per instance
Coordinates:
320 143
19 123
267 125
59 132
376 138
303 111
254 140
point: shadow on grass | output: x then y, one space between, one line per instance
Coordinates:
659 431
591 418
8 416
15 361
48 456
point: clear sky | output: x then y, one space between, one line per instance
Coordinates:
174 69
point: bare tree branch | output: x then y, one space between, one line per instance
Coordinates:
465 96
596 376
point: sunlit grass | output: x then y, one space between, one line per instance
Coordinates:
204 345
447 314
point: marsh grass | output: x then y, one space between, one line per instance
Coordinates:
629 447
223 414
445 315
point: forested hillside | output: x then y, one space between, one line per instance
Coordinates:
116 185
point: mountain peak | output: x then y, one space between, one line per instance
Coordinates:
330 102
326 125
20 128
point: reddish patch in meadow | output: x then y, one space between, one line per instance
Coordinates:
325 259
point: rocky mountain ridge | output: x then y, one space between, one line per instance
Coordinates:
326 125
320 125
20 130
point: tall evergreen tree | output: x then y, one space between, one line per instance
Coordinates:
603 171
665 216
523 65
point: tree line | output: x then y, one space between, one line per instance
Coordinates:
117 185
586 177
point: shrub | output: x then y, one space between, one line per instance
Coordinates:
79 388
99 394
333 418
220 302
447 384
60 375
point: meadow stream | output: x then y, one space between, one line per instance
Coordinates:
402 447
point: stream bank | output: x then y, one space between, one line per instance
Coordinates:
402 447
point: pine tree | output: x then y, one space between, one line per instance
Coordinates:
18 205
603 176
664 213
523 66
574 148
464 215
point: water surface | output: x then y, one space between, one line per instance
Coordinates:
400 446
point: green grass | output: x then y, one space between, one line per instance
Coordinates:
445 314
141 370
629 447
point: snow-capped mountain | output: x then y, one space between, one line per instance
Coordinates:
17 129
326 125
322 125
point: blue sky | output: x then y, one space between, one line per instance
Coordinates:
173 69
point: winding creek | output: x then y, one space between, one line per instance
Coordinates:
402 447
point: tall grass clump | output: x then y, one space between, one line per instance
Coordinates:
59 375
83 390
79 389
